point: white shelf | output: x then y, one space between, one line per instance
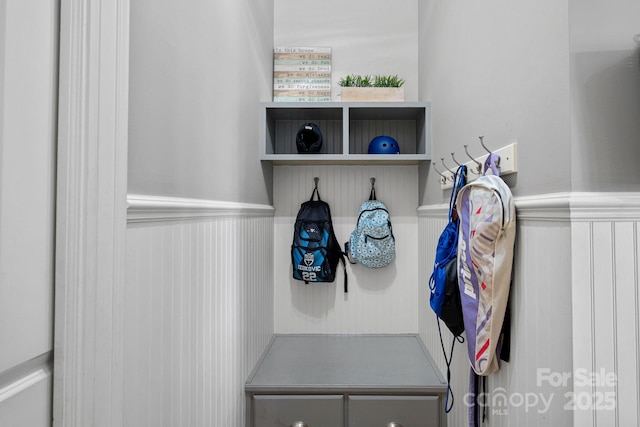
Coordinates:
347 129
346 159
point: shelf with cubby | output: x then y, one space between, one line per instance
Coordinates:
347 128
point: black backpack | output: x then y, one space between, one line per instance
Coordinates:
315 251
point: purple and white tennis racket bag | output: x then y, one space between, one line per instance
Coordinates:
485 258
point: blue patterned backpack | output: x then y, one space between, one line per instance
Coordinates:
372 243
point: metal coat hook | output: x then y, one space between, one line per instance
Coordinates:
484 146
315 181
372 195
443 180
488 151
454 159
478 167
447 167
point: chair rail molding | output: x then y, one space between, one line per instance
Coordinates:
148 208
574 207
614 206
91 213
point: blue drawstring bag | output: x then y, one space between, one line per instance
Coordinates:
446 258
445 294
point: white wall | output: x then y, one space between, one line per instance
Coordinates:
28 105
198 309
199 284
498 69
197 74
561 78
379 300
367 37
605 98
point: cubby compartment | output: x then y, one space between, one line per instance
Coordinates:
282 124
347 129
407 125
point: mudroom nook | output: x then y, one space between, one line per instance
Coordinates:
150 180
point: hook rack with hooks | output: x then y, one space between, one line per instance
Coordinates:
507 163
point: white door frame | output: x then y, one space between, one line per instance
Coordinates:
91 213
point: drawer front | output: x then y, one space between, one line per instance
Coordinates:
408 411
285 411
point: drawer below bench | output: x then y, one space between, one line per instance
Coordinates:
361 411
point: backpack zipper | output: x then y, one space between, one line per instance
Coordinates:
371 210
367 236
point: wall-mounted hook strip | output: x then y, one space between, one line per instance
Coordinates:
508 164
444 178
478 169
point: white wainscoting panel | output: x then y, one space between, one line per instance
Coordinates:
198 313
541 322
379 300
606 308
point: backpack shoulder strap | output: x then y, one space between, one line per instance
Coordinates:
459 180
448 405
344 267
491 165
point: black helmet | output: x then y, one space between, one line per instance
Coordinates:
309 138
